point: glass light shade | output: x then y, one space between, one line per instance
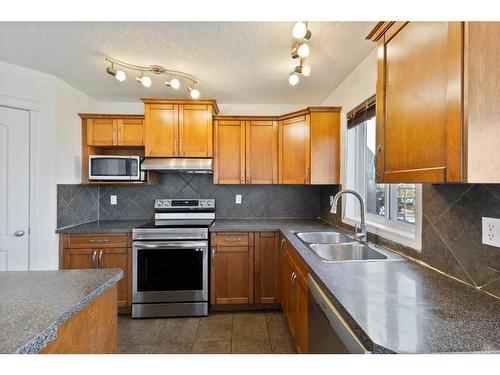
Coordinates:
306 70
175 83
146 81
303 50
299 30
195 94
293 79
120 75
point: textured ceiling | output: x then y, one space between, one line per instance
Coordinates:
235 62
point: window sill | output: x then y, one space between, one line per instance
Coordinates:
411 239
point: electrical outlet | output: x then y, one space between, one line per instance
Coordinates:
491 231
331 200
113 200
238 199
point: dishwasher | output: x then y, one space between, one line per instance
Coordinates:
328 332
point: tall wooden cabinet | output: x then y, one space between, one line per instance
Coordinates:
437 104
179 128
99 250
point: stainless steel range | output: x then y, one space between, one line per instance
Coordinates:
170 260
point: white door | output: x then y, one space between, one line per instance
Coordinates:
14 189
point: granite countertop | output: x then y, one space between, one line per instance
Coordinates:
34 303
102 226
395 306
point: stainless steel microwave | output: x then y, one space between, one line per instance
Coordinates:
113 167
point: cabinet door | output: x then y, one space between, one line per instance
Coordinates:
118 258
417 68
161 128
195 130
130 132
267 268
290 300
229 158
301 295
294 150
101 132
325 148
80 258
261 152
232 275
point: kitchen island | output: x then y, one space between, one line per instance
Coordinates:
68 311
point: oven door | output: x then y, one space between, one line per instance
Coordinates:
169 271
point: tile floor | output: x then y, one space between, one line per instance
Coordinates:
238 332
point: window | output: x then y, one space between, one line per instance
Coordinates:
392 210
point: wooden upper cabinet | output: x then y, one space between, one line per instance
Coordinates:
261 152
195 130
179 128
161 128
437 110
294 149
113 130
229 154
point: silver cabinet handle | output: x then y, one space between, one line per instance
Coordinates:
99 240
213 255
94 256
291 277
294 278
232 239
100 258
281 245
19 233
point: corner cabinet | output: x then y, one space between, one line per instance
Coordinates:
309 146
179 128
298 148
99 250
437 102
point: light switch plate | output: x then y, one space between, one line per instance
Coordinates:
113 200
238 199
491 231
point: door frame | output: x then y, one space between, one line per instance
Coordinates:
34 108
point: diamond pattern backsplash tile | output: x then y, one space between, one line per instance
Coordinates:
82 203
451 231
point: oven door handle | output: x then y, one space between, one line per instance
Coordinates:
195 245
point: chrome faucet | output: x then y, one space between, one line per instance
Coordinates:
361 236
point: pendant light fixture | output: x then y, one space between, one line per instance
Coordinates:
174 81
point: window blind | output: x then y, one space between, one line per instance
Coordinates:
361 113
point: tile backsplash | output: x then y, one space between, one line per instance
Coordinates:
451 231
83 203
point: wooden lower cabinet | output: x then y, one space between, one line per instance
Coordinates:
108 250
294 295
267 268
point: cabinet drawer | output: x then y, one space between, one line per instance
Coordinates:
98 240
232 239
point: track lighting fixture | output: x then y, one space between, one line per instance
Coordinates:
293 79
144 80
300 31
195 94
174 80
300 50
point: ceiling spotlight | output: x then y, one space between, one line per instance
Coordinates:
195 94
120 75
301 50
293 78
174 83
144 80
306 70
300 31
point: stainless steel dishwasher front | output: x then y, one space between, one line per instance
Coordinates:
328 332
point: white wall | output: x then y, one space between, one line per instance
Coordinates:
359 85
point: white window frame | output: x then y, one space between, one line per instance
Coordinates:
399 232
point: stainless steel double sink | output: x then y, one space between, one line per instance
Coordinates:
334 246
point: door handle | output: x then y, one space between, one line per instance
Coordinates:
100 258
281 245
94 255
19 233
213 255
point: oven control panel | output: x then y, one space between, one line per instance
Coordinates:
185 203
